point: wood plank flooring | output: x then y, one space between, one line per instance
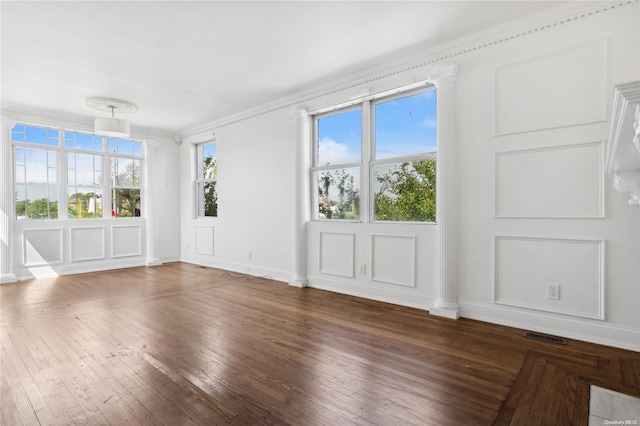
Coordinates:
180 344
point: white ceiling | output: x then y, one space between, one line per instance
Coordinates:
188 63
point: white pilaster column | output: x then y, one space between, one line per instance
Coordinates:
149 210
446 303
7 211
301 215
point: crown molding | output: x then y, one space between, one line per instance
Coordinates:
421 61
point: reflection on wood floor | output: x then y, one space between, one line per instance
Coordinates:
182 344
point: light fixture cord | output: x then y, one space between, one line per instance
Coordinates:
113 115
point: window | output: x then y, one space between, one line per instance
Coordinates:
398 153
337 165
404 164
52 162
35 170
206 180
126 179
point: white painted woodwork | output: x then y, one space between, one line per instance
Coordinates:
87 243
126 240
301 197
446 303
6 201
393 259
562 181
337 252
42 246
149 207
525 266
563 88
623 151
204 240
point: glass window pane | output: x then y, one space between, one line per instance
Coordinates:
36 165
405 191
339 193
406 126
84 202
36 202
125 202
125 172
18 133
340 138
209 161
208 199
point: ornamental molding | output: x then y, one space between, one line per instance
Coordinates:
623 150
443 53
628 183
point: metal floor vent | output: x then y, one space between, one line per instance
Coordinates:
545 337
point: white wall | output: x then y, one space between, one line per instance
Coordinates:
256 172
533 204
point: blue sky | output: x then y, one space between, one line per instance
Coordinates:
403 126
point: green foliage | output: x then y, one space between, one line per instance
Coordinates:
408 193
347 206
37 209
210 171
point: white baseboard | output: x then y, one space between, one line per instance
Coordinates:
402 298
78 268
246 269
593 331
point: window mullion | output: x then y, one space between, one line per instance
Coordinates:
107 205
366 200
63 178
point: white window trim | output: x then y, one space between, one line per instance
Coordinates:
368 161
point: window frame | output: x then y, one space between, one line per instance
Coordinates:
200 179
317 169
368 160
63 184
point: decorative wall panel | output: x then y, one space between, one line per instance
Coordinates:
526 267
565 88
393 259
126 241
557 182
87 243
337 253
42 246
204 240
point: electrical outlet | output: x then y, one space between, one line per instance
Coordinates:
553 291
250 254
363 268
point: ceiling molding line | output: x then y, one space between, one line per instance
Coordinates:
455 50
48 118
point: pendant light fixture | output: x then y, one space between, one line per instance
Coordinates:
112 126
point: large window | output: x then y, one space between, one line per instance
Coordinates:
58 170
396 150
206 179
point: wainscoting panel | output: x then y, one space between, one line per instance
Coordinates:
393 259
126 240
556 182
565 88
526 267
204 240
337 253
87 243
42 246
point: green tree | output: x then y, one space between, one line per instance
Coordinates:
126 201
210 171
407 193
348 203
42 209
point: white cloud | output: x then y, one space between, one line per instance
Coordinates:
332 152
429 122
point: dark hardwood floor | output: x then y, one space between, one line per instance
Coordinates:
179 344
